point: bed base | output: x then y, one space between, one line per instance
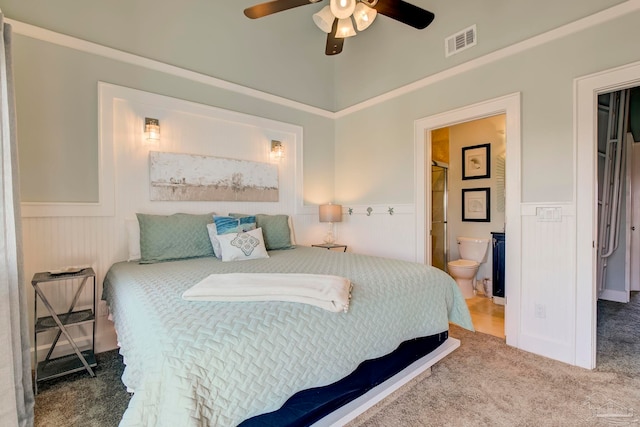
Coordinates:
351 410
373 380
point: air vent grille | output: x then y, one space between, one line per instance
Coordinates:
460 41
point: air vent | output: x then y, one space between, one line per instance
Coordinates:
460 41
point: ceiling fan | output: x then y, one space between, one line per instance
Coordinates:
335 19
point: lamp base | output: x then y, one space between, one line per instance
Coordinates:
328 238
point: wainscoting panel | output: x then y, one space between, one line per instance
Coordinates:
548 280
52 243
378 233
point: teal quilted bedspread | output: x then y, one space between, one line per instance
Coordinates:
217 364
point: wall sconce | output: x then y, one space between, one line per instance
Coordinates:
330 213
151 129
277 150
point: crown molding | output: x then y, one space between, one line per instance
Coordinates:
581 24
598 18
75 43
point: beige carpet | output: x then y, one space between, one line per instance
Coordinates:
482 383
486 383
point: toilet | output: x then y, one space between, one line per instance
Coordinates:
473 252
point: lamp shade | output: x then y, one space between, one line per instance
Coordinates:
345 29
364 16
330 213
342 9
324 19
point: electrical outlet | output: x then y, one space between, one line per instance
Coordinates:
540 311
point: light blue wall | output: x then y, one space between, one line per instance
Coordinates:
374 147
276 54
390 54
369 153
56 91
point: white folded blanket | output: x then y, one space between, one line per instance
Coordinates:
332 293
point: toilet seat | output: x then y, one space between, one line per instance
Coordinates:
464 263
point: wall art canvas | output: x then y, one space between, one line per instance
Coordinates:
189 177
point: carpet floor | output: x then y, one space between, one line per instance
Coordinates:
482 383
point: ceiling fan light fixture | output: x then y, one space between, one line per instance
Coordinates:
345 29
324 19
364 16
342 9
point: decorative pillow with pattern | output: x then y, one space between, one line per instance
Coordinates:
225 225
242 246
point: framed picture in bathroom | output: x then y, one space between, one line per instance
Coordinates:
476 204
476 161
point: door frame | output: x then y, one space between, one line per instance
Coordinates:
510 105
586 91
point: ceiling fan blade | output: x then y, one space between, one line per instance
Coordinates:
268 8
334 44
405 12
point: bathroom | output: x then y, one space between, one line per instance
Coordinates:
468 200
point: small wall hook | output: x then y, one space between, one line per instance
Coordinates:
390 211
369 210
350 211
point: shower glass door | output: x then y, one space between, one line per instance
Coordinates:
439 247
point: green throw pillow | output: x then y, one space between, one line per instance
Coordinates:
171 237
275 229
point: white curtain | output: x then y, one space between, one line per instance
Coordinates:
17 400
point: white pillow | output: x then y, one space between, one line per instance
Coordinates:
133 239
292 235
213 236
242 246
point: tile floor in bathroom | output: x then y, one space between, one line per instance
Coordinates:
487 317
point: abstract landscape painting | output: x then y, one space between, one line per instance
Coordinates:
176 177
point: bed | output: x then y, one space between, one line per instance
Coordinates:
204 363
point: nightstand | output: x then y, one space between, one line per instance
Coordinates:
330 246
78 360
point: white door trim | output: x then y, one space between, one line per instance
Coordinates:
586 91
509 105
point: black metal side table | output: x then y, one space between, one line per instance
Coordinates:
330 246
78 360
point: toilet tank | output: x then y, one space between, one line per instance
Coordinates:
473 249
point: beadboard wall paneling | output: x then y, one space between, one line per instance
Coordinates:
51 243
548 281
378 233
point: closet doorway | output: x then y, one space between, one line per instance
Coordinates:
587 90
618 155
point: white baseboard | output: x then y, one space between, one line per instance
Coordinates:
499 300
615 296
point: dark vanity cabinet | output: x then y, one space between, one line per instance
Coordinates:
498 245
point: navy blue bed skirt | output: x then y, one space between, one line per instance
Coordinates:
308 406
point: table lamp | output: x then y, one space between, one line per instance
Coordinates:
330 213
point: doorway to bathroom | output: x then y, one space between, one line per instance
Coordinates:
468 200
510 105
